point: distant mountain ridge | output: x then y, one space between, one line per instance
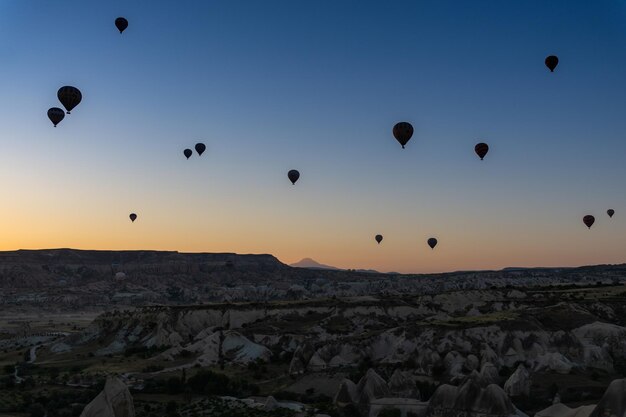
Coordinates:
313 264
96 257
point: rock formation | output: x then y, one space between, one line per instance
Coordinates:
561 410
347 393
518 383
402 384
113 401
612 403
371 386
489 374
471 399
300 359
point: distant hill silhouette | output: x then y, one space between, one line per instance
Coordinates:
313 264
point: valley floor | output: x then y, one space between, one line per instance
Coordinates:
516 350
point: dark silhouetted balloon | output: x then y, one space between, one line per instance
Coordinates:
70 97
293 175
551 62
379 238
200 148
432 242
55 115
589 220
610 212
133 217
481 150
188 153
402 132
121 24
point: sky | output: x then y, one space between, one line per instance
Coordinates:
317 86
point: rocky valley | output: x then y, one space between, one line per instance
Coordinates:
223 334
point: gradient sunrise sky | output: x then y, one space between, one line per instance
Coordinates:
317 86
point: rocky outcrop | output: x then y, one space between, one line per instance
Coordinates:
554 361
347 393
487 354
316 363
472 363
471 399
229 345
402 384
601 342
561 410
239 349
453 362
518 383
113 401
270 404
612 403
301 358
371 386
489 374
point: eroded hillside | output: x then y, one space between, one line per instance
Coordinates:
73 280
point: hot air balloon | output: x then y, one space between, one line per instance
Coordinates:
610 212
55 115
589 220
432 242
133 217
200 148
293 175
551 62
121 24
481 150
70 97
402 132
188 153
379 238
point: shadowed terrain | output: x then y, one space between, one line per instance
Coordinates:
303 340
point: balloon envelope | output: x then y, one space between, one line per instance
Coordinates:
55 115
200 148
70 97
133 217
403 132
551 62
121 24
432 242
187 153
379 238
589 220
481 150
610 212
293 175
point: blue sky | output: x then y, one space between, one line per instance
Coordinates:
317 86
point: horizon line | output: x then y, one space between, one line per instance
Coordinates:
504 269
